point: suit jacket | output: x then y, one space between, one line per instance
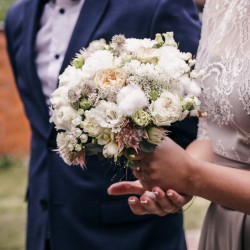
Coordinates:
67 204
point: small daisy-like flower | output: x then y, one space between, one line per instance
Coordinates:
117 43
74 94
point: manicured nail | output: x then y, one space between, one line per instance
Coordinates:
144 201
131 201
170 194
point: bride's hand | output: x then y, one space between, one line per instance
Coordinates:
156 202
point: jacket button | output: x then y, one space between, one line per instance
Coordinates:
44 204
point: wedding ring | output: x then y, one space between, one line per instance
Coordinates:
169 210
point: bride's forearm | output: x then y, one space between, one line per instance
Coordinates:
223 185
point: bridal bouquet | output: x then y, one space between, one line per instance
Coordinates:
119 95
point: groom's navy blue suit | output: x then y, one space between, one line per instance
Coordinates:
66 204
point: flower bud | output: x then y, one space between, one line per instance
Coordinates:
141 118
154 94
84 104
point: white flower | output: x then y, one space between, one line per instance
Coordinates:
169 39
66 151
101 59
190 86
71 76
147 55
96 45
166 109
105 136
108 78
130 99
170 60
111 150
90 124
108 115
59 97
133 44
64 116
83 138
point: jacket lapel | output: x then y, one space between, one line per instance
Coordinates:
30 27
90 15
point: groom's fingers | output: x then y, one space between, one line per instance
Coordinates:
126 187
136 206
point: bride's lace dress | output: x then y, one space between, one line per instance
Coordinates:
224 53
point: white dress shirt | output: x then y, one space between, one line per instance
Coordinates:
56 26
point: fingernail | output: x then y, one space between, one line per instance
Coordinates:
144 201
169 194
131 201
156 193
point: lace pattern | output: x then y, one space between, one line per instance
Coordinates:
224 53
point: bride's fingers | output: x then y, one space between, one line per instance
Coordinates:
126 187
179 200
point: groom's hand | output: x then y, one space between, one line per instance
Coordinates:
156 202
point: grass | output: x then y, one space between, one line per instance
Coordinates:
13 178
194 215
4 6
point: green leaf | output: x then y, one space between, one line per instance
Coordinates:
147 147
93 149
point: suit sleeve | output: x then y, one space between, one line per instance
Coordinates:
181 17
12 29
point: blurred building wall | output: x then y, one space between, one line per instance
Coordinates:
14 127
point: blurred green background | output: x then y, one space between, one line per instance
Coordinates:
4 5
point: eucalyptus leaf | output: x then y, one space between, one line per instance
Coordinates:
93 149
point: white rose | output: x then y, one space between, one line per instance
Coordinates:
110 77
166 109
105 136
90 124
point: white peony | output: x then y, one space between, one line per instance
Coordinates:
99 60
130 99
166 109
